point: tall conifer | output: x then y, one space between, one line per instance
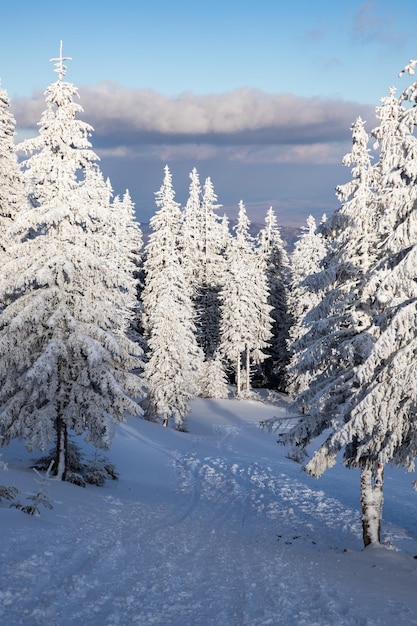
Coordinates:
65 360
174 358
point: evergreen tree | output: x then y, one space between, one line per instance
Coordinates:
376 425
246 315
274 263
375 420
212 274
190 233
204 266
174 358
65 360
12 199
225 236
338 333
12 192
213 378
128 232
309 251
203 261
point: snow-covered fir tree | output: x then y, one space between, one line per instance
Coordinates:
190 232
338 335
375 423
213 273
274 263
204 266
174 358
213 382
12 199
65 361
12 191
123 211
246 315
202 259
309 251
340 331
377 426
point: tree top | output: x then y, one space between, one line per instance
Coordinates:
60 68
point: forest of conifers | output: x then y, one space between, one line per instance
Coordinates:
95 325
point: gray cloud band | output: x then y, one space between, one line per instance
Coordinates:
129 117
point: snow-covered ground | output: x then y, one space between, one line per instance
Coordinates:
211 527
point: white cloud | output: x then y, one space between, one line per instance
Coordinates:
269 149
124 118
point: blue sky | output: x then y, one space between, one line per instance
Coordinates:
259 95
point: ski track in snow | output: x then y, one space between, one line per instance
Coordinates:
233 544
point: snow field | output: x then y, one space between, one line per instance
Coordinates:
211 527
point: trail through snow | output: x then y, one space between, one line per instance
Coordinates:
211 527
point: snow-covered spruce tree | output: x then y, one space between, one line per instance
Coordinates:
12 191
225 235
213 274
246 315
65 360
204 266
339 333
212 382
203 260
377 425
309 251
190 232
12 199
123 211
274 262
174 358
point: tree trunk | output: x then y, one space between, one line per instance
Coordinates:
247 370
61 454
372 484
238 378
